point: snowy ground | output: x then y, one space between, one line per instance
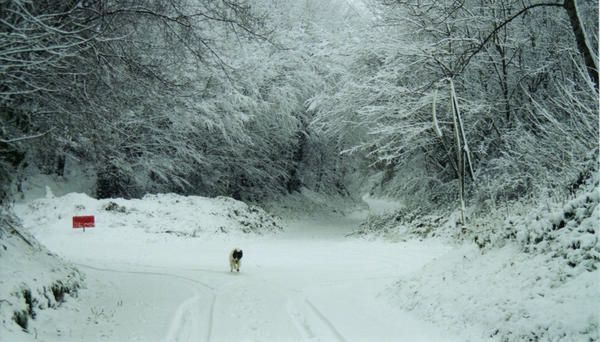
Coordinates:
510 295
156 269
307 283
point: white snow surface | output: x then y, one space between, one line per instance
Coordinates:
307 283
156 269
532 273
31 277
511 296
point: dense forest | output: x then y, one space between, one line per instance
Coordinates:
434 102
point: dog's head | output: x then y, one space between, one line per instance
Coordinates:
237 254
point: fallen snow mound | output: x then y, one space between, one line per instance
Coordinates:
161 213
31 278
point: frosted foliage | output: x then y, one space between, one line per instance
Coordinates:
528 107
526 270
256 99
203 97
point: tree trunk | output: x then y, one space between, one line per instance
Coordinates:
582 44
459 152
60 165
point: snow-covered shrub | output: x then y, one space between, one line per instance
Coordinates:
568 230
306 202
571 232
112 206
406 223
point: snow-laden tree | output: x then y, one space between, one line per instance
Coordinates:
99 79
279 152
512 63
203 97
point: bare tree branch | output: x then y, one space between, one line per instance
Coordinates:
505 22
29 137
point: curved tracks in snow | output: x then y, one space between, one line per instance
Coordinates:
326 321
186 324
187 321
194 318
163 274
311 322
289 289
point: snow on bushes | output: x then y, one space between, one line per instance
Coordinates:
31 278
569 231
505 294
162 213
527 271
404 223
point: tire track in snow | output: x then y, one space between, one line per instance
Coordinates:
299 320
211 315
326 321
182 327
311 322
186 323
162 274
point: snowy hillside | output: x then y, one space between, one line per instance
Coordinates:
510 295
529 275
32 278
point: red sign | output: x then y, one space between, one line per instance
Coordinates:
83 222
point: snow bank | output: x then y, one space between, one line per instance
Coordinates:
162 213
31 278
566 229
527 272
509 295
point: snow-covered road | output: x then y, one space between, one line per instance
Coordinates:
308 283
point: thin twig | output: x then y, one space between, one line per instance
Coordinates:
35 136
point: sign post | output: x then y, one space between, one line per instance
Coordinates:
83 222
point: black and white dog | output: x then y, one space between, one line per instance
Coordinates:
235 259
